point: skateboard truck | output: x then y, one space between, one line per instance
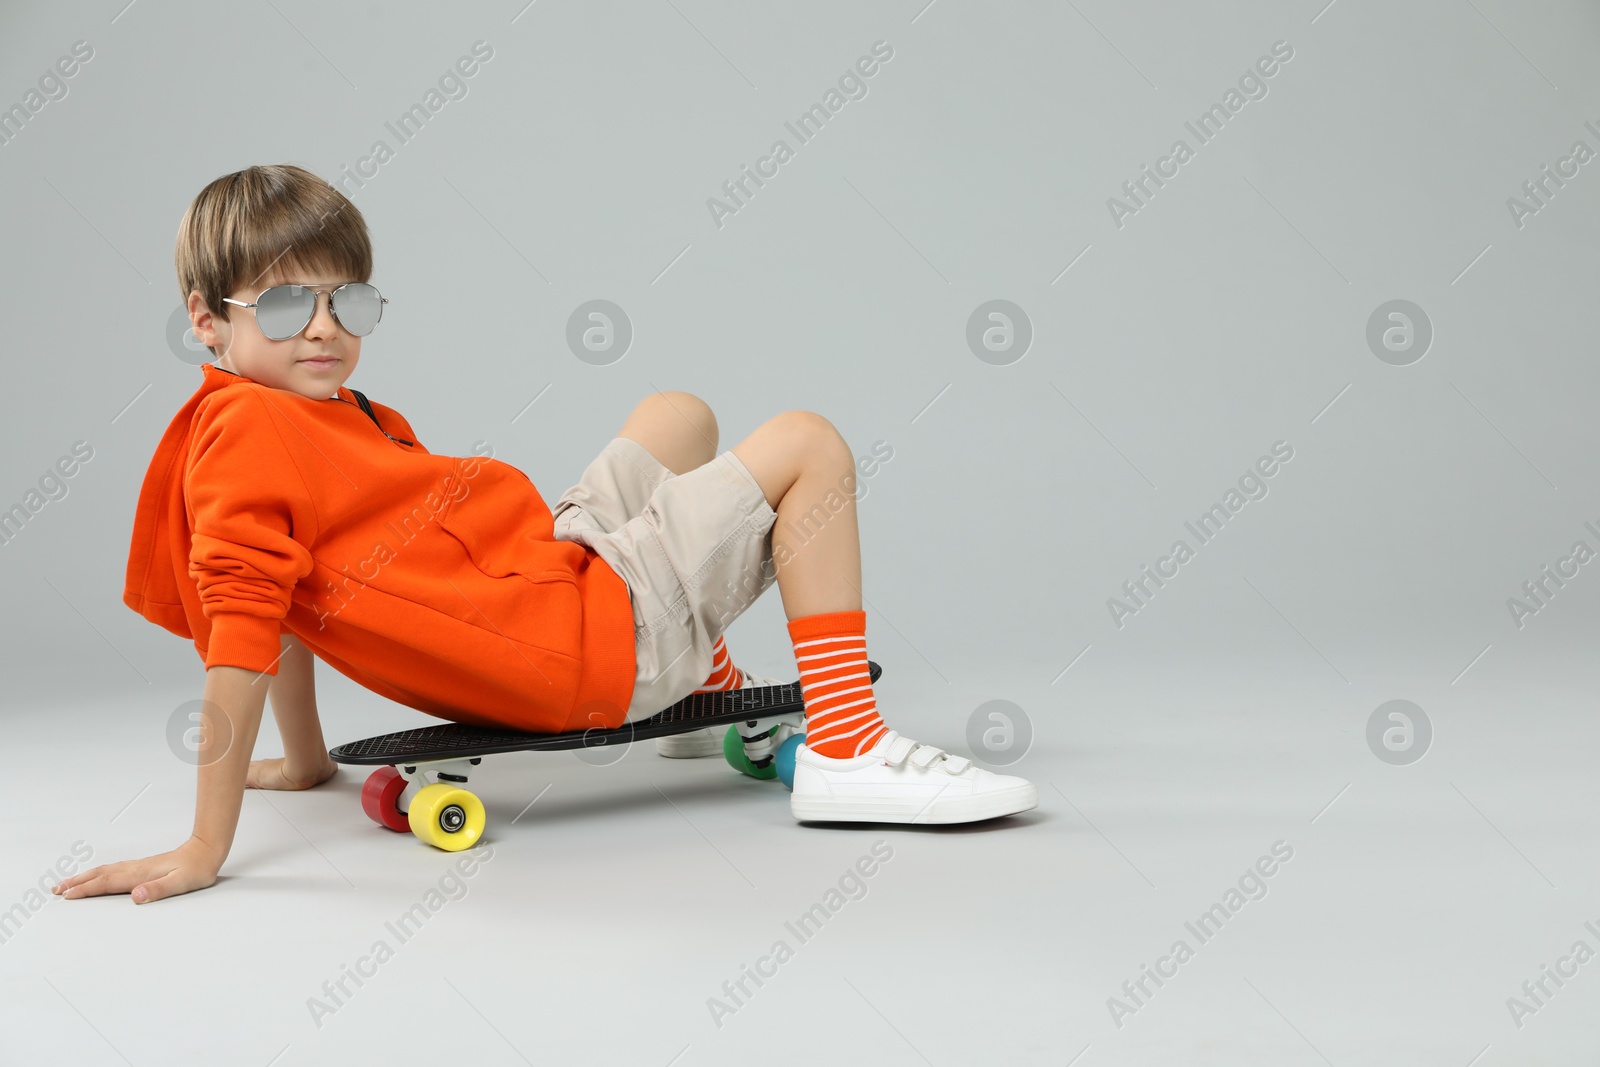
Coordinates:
762 737
418 776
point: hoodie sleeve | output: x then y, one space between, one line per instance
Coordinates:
252 523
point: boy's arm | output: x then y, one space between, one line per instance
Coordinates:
293 693
230 715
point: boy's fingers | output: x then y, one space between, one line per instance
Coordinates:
107 878
168 885
87 887
171 884
82 878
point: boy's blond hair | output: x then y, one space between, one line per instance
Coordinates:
245 224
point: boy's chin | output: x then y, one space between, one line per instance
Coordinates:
314 390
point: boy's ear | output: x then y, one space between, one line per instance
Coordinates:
200 320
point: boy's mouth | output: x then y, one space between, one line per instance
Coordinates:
320 362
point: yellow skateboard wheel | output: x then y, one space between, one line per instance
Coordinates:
447 817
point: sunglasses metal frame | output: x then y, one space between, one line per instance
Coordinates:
316 291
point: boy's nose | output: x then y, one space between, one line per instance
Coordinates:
322 322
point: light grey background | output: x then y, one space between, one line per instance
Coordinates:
1168 354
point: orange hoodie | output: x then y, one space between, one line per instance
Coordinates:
434 581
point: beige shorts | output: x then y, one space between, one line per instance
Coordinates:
695 550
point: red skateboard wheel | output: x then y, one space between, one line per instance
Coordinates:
380 798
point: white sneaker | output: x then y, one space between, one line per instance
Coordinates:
706 742
899 780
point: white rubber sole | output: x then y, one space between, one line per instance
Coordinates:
916 810
693 745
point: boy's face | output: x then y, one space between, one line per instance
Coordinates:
288 364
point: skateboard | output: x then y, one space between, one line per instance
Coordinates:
420 783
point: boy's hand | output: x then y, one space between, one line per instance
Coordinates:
190 866
277 774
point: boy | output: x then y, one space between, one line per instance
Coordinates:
280 517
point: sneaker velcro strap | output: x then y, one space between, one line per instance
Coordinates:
951 764
926 756
897 749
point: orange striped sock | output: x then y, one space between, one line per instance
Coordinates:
724 675
841 712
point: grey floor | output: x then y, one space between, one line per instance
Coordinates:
611 912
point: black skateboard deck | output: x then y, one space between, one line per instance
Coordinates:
459 741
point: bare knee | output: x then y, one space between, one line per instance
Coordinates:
815 434
786 446
686 407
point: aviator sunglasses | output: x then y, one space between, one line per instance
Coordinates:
285 310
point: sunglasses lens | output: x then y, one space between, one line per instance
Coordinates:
284 310
358 307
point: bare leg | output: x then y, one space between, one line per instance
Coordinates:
805 468
677 428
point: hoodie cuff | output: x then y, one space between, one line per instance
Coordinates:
248 641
